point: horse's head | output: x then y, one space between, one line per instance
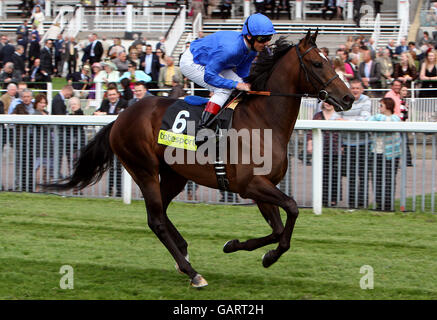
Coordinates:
319 77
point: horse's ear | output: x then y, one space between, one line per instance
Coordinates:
314 36
308 35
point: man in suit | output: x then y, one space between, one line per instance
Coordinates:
150 65
7 98
7 52
59 53
71 54
47 59
161 43
403 47
19 60
387 67
37 75
121 62
3 41
10 75
113 105
58 103
61 133
80 80
95 49
24 31
369 72
34 49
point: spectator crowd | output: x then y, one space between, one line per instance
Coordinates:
371 158
126 73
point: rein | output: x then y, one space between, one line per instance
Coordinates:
279 94
321 95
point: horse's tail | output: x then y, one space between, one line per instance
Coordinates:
95 158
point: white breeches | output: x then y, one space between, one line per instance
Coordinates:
196 73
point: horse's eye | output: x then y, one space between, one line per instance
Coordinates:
317 64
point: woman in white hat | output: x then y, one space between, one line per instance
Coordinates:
108 74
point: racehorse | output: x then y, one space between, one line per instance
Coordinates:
288 72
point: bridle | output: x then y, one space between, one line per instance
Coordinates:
321 95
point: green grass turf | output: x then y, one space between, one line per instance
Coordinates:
58 83
115 255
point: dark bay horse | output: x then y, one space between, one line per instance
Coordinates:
289 71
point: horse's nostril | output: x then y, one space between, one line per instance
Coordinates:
348 99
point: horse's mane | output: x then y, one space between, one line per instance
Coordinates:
262 68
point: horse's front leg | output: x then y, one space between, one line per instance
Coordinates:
261 189
161 226
271 215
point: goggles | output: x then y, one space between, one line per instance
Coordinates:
263 39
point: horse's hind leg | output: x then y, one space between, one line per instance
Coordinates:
171 185
271 215
261 189
158 222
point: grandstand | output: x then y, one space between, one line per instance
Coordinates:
159 17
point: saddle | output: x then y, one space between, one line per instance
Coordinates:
180 126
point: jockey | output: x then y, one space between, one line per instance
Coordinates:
220 61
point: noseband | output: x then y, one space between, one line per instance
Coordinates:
323 94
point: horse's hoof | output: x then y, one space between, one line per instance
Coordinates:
230 246
198 281
269 259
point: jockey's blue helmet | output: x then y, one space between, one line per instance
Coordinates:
258 25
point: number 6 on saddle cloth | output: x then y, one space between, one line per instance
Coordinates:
180 123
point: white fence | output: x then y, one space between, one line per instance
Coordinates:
419 109
304 182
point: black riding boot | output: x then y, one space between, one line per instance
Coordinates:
206 117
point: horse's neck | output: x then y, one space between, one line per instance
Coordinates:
278 114
285 109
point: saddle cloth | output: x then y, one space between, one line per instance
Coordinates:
180 122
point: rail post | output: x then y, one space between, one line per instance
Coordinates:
127 187
49 96
317 162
